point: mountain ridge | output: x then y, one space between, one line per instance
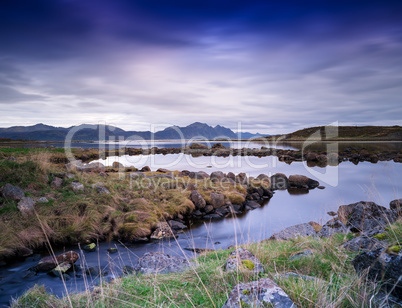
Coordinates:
91 132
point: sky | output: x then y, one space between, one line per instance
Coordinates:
269 66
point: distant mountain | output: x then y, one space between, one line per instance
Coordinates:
88 132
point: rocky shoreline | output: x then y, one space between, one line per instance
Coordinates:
367 222
313 158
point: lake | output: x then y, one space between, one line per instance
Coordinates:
344 184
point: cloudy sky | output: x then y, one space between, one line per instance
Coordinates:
274 66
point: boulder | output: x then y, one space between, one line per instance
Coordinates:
145 169
332 227
217 200
176 225
264 177
75 165
261 293
136 175
61 269
163 170
94 167
311 156
301 181
241 178
26 206
77 186
396 205
252 205
242 259
48 263
362 243
279 181
159 263
117 165
365 216
198 146
231 176
217 176
333 159
56 183
197 199
43 200
12 192
299 230
163 230
100 188
200 175
382 265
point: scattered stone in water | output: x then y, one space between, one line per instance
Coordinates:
61 269
127 269
90 247
112 250
199 250
321 187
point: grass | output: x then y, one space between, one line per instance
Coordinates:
207 284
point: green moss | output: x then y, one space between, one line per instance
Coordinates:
248 264
394 249
246 292
380 237
243 304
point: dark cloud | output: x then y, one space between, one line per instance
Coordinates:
269 64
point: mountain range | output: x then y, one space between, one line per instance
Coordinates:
88 132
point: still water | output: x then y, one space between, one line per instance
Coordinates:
346 183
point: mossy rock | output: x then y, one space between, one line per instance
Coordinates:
394 249
90 247
380 236
248 264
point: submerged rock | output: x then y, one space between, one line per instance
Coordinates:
159 263
163 230
90 247
261 293
301 181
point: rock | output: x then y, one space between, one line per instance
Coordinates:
242 259
48 263
200 175
252 205
56 183
362 243
217 200
301 254
301 181
333 159
112 250
100 188
382 265
26 206
212 216
241 178
61 269
317 227
311 156
145 169
261 293
385 300
299 230
198 146
136 175
332 213
332 227
77 186
209 209
231 176
396 205
90 247
197 199
43 200
163 230
70 175
279 181
94 167
365 216
159 263
95 271
217 176
127 270
176 225
163 170
12 192
264 177
75 165
117 165
321 187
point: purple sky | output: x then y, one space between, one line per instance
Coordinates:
274 66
